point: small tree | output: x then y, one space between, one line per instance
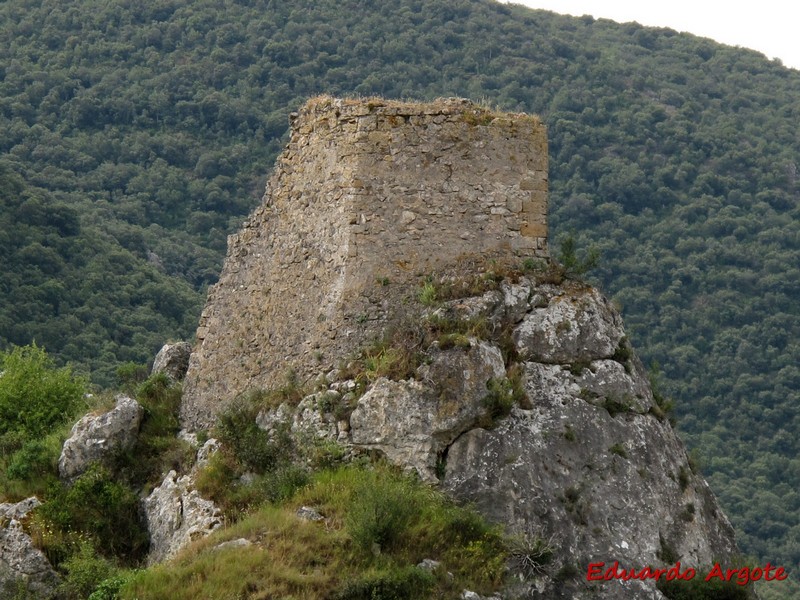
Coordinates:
35 396
570 263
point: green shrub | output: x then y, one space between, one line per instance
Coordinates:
35 395
623 353
395 356
619 450
571 265
615 405
109 588
529 554
499 400
503 394
699 589
428 295
130 375
99 509
32 468
84 572
400 583
664 406
157 448
36 458
253 447
381 511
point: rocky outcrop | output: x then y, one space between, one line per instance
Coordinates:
576 326
95 437
412 422
173 360
177 514
24 569
585 461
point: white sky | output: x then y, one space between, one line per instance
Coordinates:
769 26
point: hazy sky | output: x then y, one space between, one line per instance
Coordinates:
769 26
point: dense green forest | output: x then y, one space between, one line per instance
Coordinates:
135 136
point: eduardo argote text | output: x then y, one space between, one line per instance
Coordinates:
598 571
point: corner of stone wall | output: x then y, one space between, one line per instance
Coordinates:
367 190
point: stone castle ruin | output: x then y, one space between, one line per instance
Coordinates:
368 198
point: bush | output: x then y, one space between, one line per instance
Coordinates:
130 375
157 449
381 511
571 265
85 570
109 588
503 394
35 395
405 583
99 509
699 589
529 554
252 446
37 458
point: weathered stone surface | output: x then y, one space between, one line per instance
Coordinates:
516 299
173 360
95 437
177 515
488 306
309 514
237 543
368 195
602 487
22 565
411 422
575 326
599 382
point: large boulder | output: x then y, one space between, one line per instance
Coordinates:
411 422
24 569
96 437
173 360
177 514
570 325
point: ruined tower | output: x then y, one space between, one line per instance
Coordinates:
368 198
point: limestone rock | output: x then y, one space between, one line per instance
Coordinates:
205 452
95 437
412 422
22 565
173 360
575 326
308 513
489 306
176 515
429 564
237 543
602 486
516 298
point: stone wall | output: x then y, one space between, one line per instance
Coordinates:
369 197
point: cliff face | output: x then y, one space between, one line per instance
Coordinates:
519 391
545 422
368 197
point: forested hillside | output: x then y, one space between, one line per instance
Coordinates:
135 136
